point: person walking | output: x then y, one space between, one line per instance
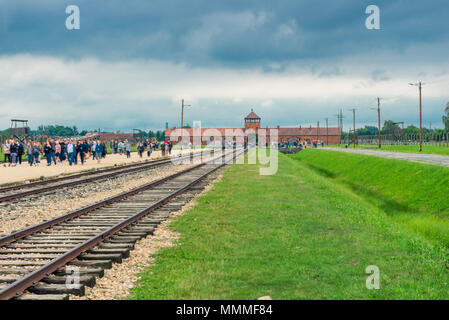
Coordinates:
149 150
6 151
83 149
13 149
128 149
20 152
140 148
120 147
98 151
58 151
92 145
89 144
104 151
53 152
62 155
71 152
47 153
37 152
30 152
77 150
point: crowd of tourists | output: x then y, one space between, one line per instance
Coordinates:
147 145
303 144
74 152
54 151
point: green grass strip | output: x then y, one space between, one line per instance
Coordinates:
293 235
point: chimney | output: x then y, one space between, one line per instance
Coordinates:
277 127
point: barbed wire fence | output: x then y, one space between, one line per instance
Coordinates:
401 139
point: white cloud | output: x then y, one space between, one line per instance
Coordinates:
116 95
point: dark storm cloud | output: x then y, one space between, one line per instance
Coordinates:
218 32
294 61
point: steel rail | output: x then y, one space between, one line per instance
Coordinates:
76 213
117 172
17 287
74 176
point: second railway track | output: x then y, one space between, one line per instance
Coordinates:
90 239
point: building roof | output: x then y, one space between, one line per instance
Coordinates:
308 131
206 131
252 115
333 131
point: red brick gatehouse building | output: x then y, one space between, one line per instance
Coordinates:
329 135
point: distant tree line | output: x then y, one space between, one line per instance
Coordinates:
65 131
159 135
391 128
56 131
446 118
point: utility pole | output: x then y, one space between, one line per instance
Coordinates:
327 132
340 122
182 113
182 119
419 85
317 132
378 119
353 119
341 119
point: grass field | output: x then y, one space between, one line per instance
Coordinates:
413 194
293 235
407 149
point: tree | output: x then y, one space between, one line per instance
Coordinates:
367 131
390 127
412 130
446 118
56 131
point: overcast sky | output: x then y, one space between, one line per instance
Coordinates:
295 62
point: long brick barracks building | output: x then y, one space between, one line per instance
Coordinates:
252 126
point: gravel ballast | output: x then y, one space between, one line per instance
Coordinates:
118 280
32 210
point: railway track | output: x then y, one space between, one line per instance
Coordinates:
34 188
34 261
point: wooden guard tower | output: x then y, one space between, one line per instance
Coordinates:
19 129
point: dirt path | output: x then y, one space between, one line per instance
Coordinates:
25 172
